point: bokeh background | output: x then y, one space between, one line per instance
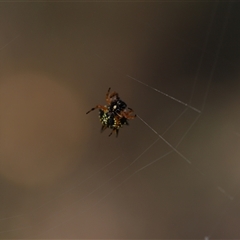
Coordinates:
61 178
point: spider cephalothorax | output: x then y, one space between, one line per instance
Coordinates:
117 106
115 114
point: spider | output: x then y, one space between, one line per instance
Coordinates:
115 114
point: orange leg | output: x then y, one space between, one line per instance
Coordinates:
99 107
107 96
114 94
128 115
110 96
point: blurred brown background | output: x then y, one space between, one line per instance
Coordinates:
58 60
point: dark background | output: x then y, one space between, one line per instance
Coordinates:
58 60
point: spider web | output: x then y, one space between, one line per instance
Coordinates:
172 172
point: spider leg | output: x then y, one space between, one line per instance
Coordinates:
104 127
127 114
114 130
117 130
131 116
107 95
99 107
108 100
111 132
110 96
130 111
114 94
